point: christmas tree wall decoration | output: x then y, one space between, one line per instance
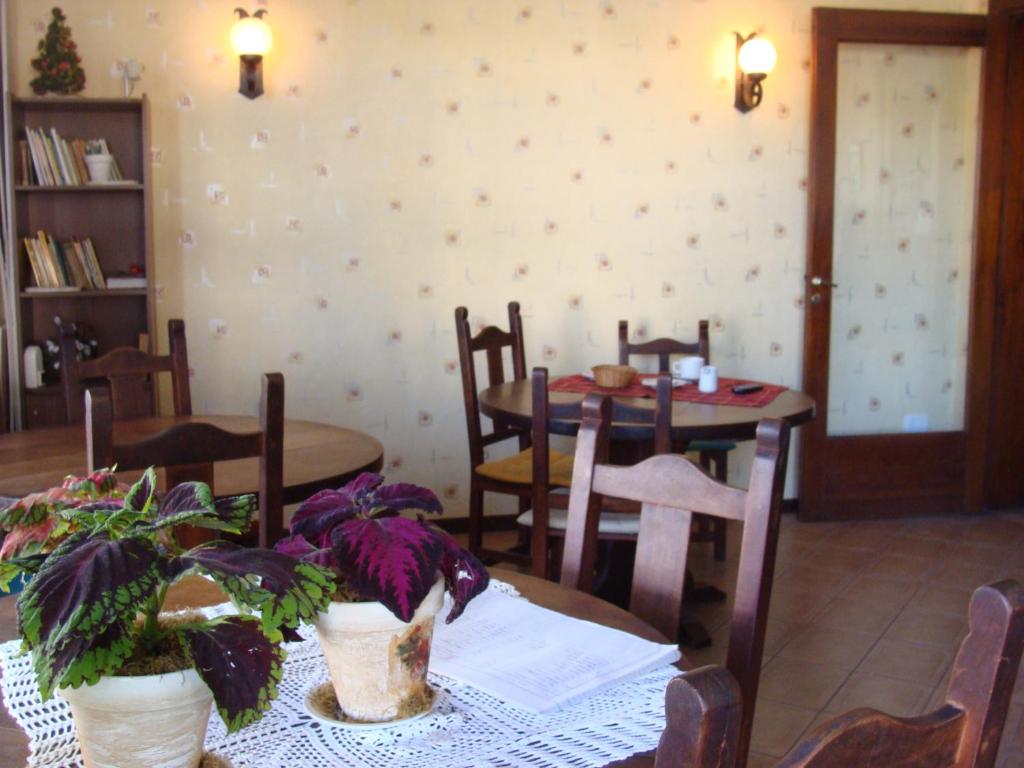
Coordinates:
58 63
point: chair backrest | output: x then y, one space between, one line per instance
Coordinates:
189 450
492 341
664 347
545 412
702 708
670 489
127 370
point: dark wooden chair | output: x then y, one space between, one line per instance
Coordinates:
671 488
703 708
546 518
187 451
711 452
130 374
512 475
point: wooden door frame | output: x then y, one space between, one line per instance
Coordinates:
992 171
830 27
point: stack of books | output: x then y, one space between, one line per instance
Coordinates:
68 265
48 160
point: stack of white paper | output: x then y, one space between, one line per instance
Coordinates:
535 658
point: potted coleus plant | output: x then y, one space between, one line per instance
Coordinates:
391 573
141 682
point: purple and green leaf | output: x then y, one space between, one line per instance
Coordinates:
84 659
239 662
401 496
87 586
297 547
284 592
465 576
102 482
194 504
140 496
394 560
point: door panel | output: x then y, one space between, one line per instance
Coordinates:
894 136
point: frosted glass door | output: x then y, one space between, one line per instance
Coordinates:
906 141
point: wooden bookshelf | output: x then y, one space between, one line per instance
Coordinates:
117 217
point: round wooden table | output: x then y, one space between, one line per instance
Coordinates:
512 401
196 592
316 456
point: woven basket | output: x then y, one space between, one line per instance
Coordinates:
613 375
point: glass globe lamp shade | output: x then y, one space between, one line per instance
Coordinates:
251 36
757 56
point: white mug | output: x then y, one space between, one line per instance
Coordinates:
708 379
687 368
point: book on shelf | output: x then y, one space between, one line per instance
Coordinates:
62 265
50 160
25 169
126 281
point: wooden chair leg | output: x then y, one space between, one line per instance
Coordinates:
722 475
476 517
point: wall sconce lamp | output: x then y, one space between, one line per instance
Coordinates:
755 59
251 38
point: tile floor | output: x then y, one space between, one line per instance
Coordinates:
865 614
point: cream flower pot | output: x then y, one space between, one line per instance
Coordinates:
151 721
378 663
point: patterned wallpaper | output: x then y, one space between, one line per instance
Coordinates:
409 156
905 176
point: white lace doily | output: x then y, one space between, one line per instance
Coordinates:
466 727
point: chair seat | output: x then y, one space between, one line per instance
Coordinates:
519 468
617 523
711 445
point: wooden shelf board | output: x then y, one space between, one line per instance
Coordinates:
72 103
102 188
91 294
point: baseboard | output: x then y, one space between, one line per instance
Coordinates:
491 523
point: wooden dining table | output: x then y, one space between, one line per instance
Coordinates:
197 592
512 403
316 455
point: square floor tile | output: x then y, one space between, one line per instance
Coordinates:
895 697
800 683
858 614
889 592
907 661
893 565
919 626
843 560
829 646
944 598
778 726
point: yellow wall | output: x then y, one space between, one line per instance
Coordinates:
408 156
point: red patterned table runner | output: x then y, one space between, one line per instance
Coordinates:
686 393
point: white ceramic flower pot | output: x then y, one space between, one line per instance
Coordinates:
151 721
378 663
99 167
